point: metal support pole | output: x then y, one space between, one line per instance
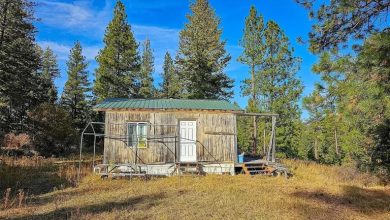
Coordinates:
79 170
136 146
81 150
175 149
264 144
273 137
271 150
94 146
94 151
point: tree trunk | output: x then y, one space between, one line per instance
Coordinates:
254 135
254 117
336 142
273 138
3 22
316 157
264 145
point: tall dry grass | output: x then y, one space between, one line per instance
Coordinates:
23 179
322 173
313 192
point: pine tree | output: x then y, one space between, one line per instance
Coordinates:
280 88
119 62
273 86
252 42
170 85
75 97
355 85
339 21
202 56
147 67
49 71
244 138
54 131
19 62
321 127
358 88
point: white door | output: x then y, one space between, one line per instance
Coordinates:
188 141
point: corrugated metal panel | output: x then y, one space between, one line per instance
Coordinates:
203 104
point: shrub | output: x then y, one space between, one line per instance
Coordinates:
13 141
53 130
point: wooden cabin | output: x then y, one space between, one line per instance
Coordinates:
162 132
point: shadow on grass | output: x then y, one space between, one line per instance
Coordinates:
59 195
366 201
32 180
76 212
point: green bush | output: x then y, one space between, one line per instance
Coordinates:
53 133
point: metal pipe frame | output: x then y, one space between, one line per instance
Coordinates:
270 154
94 144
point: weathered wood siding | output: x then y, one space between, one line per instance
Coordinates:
216 136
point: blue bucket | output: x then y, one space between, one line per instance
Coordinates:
241 158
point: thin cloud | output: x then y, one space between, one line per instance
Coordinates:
235 68
159 34
154 4
62 50
162 40
85 21
79 17
82 18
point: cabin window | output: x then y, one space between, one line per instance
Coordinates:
137 133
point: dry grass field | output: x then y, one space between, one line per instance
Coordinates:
314 192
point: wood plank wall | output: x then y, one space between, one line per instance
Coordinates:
216 137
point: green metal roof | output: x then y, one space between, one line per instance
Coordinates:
200 104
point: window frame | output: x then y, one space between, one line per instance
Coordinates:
137 123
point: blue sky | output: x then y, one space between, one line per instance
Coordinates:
62 22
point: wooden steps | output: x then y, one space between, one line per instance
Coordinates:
256 168
253 168
264 168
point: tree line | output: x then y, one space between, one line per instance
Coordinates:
349 108
348 112
30 102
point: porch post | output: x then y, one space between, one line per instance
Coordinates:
273 137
